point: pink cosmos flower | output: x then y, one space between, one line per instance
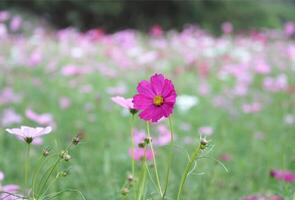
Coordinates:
227 27
262 197
283 175
156 98
64 102
28 134
11 188
45 119
206 131
138 153
10 117
164 137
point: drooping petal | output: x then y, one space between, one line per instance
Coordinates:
157 83
145 88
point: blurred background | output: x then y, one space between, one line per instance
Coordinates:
233 66
116 15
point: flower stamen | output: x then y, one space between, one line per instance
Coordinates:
158 100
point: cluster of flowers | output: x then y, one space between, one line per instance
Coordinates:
155 101
37 183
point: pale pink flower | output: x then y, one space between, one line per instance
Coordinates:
283 175
164 137
16 23
227 27
125 103
28 134
7 95
4 15
64 102
252 108
10 117
289 29
206 131
45 119
156 31
138 153
2 176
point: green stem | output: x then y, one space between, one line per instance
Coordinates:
143 176
132 144
171 146
187 169
27 158
37 170
154 159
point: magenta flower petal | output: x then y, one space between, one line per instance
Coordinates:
283 175
145 88
155 99
142 102
157 83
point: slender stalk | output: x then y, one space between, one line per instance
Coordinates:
187 169
171 146
154 159
27 158
143 176
132 144
37 170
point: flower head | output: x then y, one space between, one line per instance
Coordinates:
155 98
28 134
283 175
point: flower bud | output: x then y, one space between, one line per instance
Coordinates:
67 157
76 140
141 145
148 140
133 111
45 152
203 143
125 191
130 178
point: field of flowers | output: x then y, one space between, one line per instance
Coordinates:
234 91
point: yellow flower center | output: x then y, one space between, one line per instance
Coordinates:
158 100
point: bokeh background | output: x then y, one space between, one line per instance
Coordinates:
232 63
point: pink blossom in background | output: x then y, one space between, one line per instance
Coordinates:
35 59
156 31
279 83
262 197
10 117
86 89
252 107
4 15
7 96
3 31
225 157
291 52
289 29
155 98
45 119
64 102
2 176
261 67
138 136
206 131
283 175
72 70
121 101
227 27
164 137
11 188
16 23
138 153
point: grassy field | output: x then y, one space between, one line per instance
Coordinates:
242 87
